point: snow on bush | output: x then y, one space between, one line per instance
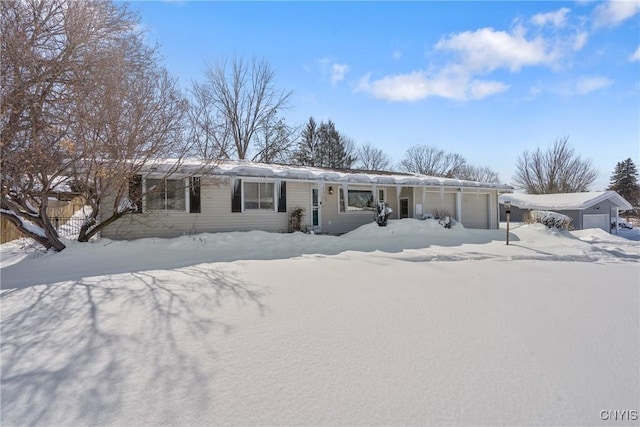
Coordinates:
549 218
444 217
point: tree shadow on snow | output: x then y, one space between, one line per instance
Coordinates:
81 353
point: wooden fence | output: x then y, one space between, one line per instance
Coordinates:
56 209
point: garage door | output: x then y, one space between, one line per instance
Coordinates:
596 221
440 201
475 210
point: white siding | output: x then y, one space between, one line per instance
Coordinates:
334 222
215 215
299 195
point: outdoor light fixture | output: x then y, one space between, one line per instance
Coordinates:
507 210
330 190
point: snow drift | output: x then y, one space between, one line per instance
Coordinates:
409 324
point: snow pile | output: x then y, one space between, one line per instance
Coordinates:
409 324
550 219
563 201
264 170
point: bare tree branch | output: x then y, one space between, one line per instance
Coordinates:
554 170
427 160
237 103
372 158
83 104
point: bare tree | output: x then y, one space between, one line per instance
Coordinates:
556 169
372 158
145 125
242 101
478 174
275 142
350 152
83 104
209 133
427 160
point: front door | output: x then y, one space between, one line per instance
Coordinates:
315 210
404 208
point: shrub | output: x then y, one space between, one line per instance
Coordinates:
549 219
444 217
295 219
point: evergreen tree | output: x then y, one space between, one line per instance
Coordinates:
323 146
625 181
307 150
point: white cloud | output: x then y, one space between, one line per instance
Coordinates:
587 85
451 83
614 12
397 54
334 71
557 18
636 55
486 49
338 71
472 55
580 39
479 89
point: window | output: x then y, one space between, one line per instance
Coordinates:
360 200
259 196
357 200
381 197
165 194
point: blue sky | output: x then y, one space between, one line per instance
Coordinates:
487 80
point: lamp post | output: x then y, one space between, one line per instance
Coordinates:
507 210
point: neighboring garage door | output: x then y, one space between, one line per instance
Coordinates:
475 210
441 202
596 221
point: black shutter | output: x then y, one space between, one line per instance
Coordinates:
135 192
282 200
236 196
194 195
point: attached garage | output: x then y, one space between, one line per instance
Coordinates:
475 210
596 221
440 201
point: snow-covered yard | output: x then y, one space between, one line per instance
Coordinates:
410 324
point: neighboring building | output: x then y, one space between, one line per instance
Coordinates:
242 196
587 210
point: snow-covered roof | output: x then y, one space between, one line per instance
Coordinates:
263 170
564 201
